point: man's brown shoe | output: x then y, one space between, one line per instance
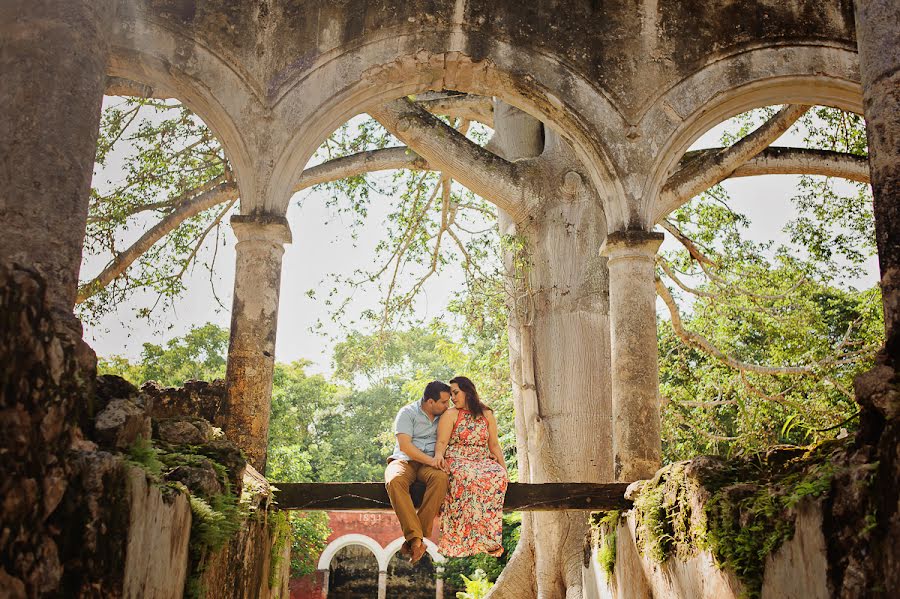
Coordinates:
405 549
418 550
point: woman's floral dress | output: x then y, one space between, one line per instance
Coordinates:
472 513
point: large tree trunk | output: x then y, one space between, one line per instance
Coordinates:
559 358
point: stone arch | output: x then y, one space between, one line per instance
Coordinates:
394 546
173 65
382 70
351 539
805 74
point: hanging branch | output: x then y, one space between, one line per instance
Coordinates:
224 192
688 244
700 342
218 191
708 169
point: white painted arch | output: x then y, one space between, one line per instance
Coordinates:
382 554
394 546
347 540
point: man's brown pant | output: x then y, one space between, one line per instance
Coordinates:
398 476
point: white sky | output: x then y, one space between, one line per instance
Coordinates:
319 250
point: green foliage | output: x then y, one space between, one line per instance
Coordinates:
790 330
169 156
215 520
605 527
456 567
430 227
309 534
655 529
281 534
477 587
144 454
199 354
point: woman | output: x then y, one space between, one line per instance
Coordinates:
468 448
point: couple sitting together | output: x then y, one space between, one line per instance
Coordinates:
455 451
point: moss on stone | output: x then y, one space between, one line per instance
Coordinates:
143 454
214 520
740 510
604 525
281 530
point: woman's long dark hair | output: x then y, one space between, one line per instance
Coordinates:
473 401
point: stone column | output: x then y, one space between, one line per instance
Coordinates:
254 320
53 56
324 574
382 584
637 446
439 583
878 38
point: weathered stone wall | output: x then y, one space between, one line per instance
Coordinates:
792 523
241 570
202 399
797 570
91 507
46 380
277 41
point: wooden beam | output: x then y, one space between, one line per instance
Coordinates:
519 496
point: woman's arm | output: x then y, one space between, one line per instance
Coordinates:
494 439
445 429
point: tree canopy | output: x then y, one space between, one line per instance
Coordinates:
761 340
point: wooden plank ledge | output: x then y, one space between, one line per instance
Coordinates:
519 497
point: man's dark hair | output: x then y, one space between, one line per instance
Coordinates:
433 390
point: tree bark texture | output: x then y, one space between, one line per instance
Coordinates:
53 58
559 354
878 37
254 321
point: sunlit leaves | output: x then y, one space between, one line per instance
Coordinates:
168 156
771 304
428 228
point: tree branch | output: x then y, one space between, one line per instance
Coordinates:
176 201
697 341
339 168
705 171
359 163
776 160
202 237
687 242
446 149
466 106
200 199
224 192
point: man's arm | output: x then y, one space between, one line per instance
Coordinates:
407 447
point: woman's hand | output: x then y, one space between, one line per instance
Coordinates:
439 462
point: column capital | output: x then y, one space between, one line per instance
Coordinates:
261 227
631 243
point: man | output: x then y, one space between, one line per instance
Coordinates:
416 428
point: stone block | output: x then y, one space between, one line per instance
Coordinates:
183 431
201 479
121 423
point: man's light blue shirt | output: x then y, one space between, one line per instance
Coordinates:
413 421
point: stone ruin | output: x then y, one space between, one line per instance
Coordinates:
623 87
